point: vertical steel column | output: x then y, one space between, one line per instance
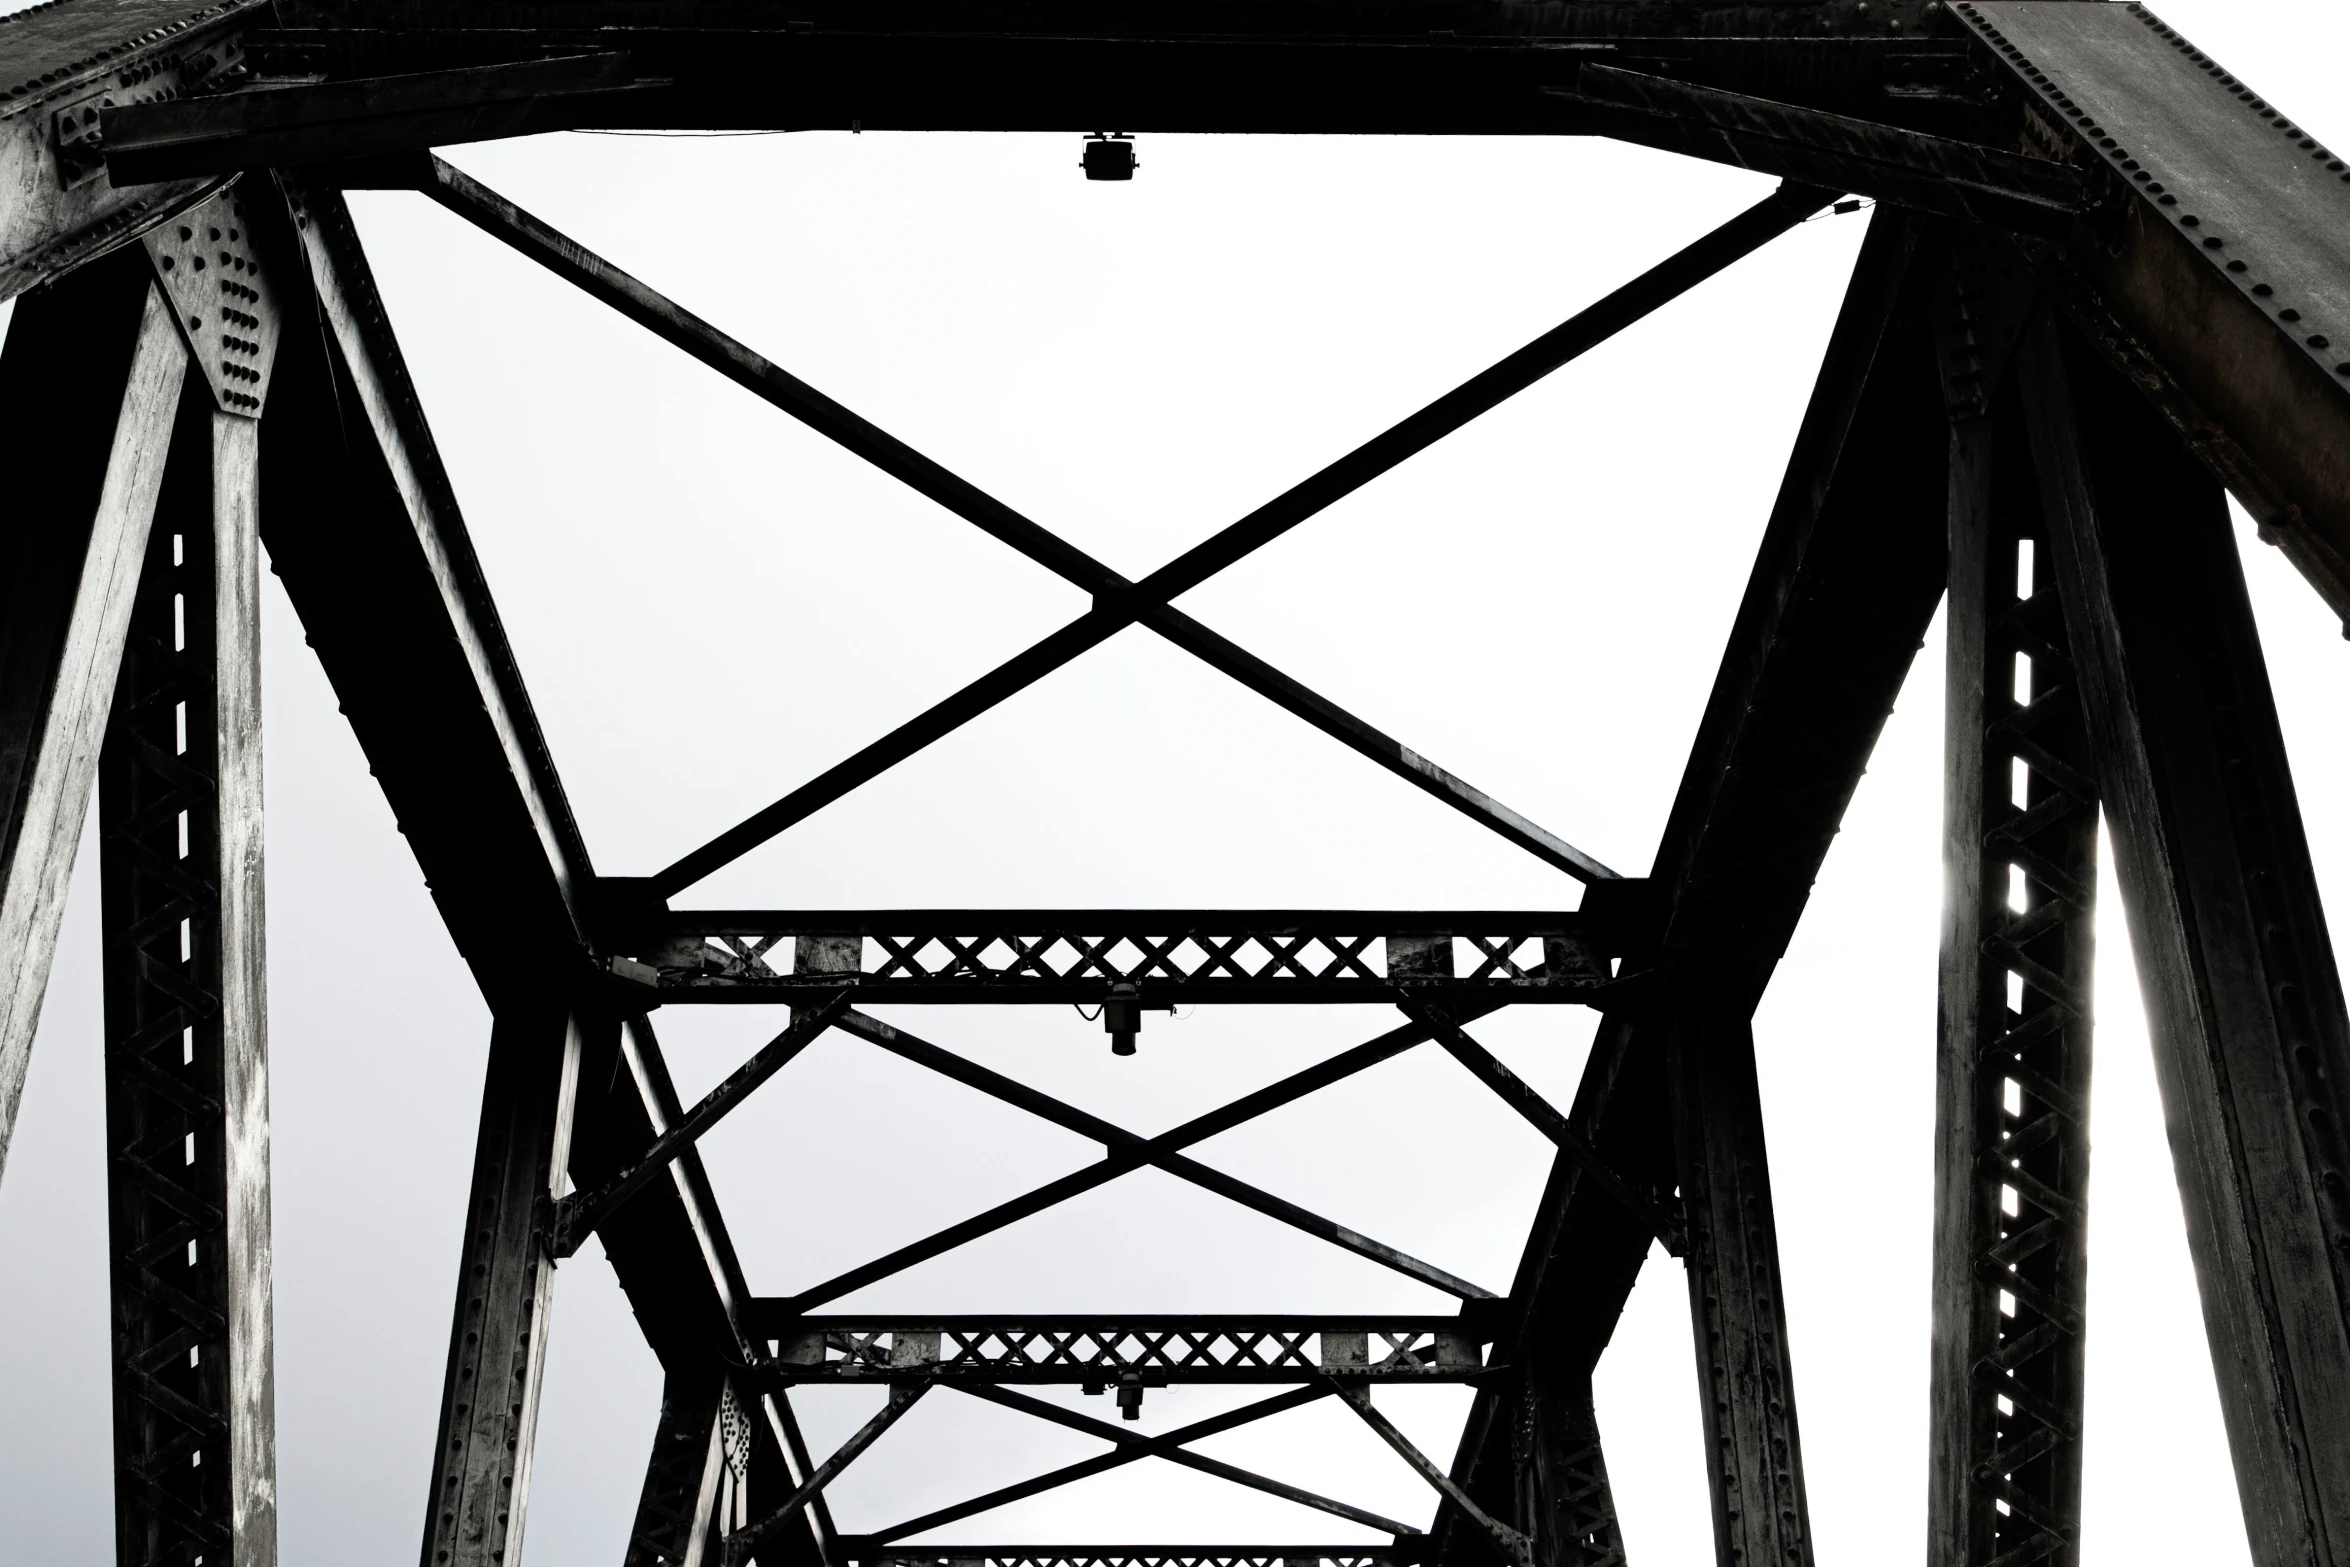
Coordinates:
2251 1038
2011 1165
1754 1460
676 1514
187 1107
89 383
1564 1504
497 1344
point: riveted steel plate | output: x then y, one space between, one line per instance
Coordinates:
205 260
2264 203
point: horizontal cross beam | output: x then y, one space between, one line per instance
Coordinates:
1154 1351
1053 956
1404 1553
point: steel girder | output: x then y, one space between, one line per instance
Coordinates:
2103 263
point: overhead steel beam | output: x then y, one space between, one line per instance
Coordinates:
1053 956
1096 1352
321 122
61 66
1421 67
2243 998
1845 583
90 382
2222 288
1402 1554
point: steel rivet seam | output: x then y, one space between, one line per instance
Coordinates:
66 73
2085 125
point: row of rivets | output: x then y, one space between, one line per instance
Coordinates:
2095 134
67 72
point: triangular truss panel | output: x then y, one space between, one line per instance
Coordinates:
2105 285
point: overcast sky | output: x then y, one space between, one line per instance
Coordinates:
712 605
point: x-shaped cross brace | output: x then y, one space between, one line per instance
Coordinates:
1131 1447
1118 601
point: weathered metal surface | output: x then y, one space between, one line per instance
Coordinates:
1563 1499
393 604
2018 946
1423 67
393 601
61 66
187 1107
1097 1352
505 1287
1737 1307
2243 998
1057 956
208 267
89 383
2226 284
677 1513
257 127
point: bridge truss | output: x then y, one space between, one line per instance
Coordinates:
2105 286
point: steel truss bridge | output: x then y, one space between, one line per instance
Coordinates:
2106 284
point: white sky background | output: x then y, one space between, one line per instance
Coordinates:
712 604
